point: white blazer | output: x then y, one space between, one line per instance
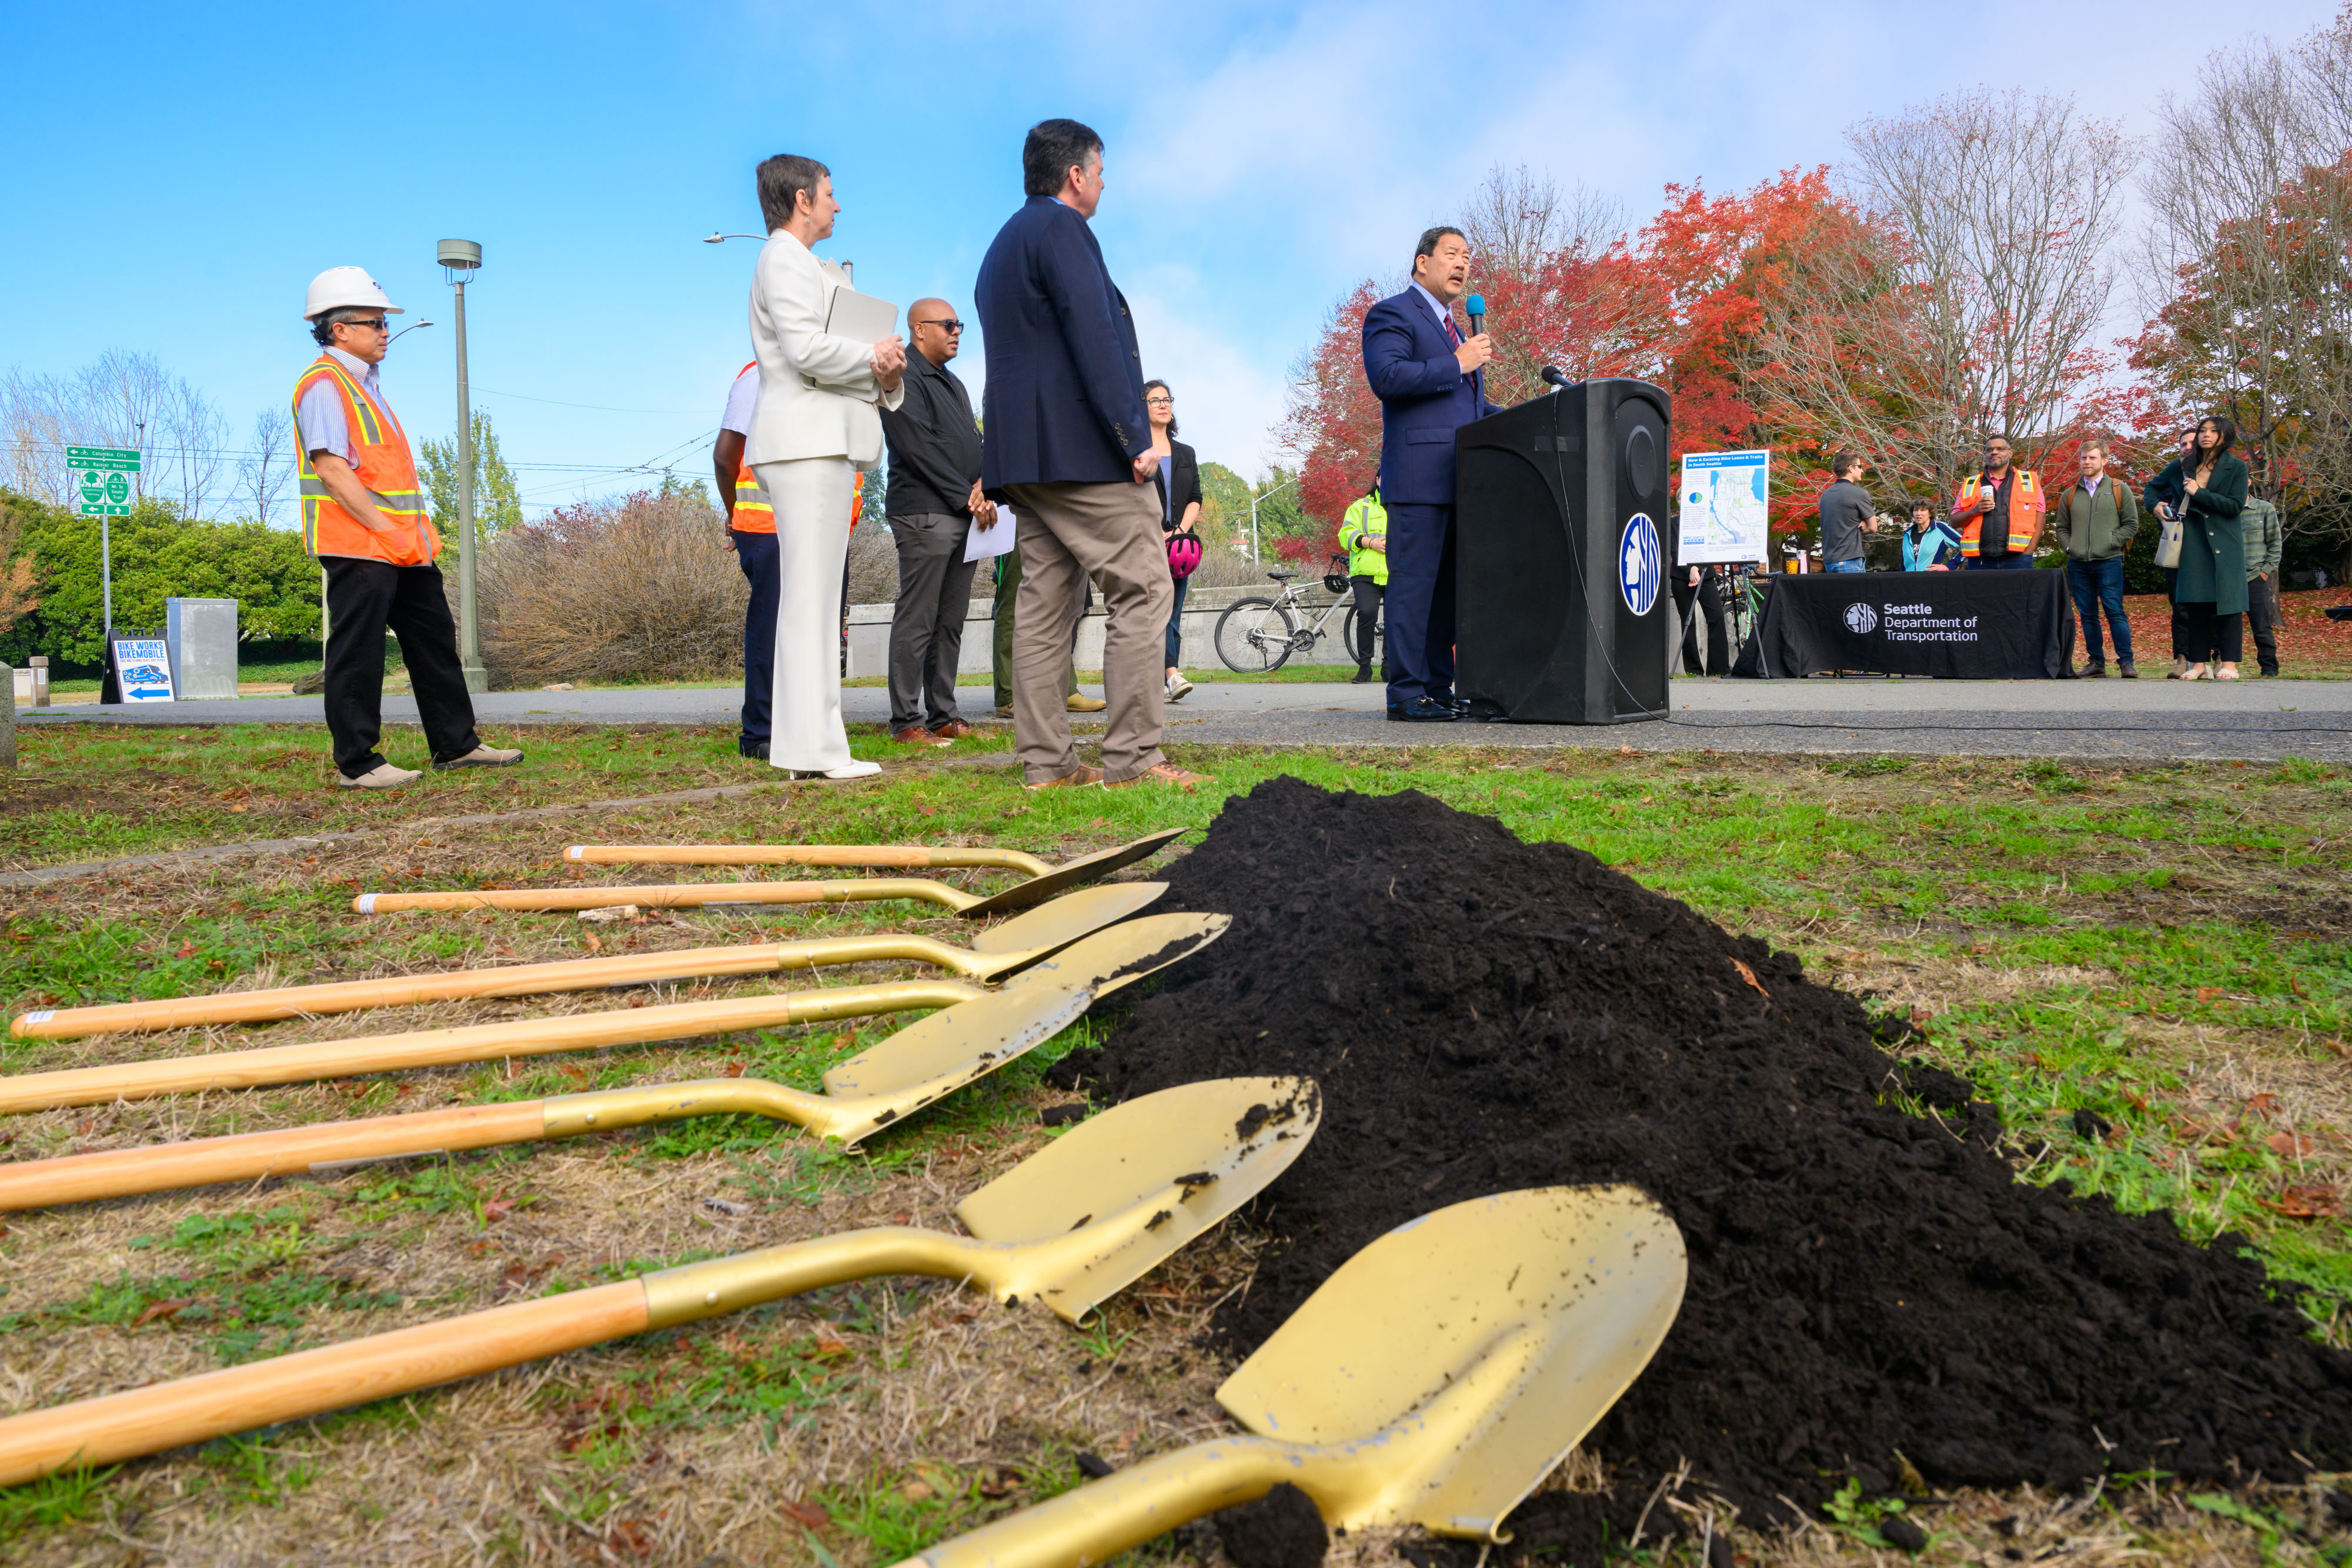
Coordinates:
791 290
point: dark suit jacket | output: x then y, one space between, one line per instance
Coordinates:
1425 399
1183 476
1063 398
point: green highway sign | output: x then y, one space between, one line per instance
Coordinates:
122 457
102 479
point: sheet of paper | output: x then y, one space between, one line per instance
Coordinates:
982 544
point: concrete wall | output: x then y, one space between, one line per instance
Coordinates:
869 632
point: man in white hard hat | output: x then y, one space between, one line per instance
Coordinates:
365 519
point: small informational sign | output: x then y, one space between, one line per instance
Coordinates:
144 666
1725 513
102 479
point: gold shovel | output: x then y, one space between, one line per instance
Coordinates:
677 894
1073 1224
1435 1378
905 857
996 953
1096 965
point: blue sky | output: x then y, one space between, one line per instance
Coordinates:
174 175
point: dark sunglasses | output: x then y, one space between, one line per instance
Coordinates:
949 322
380 324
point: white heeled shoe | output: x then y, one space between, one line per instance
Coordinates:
850 770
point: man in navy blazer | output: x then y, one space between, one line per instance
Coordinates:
1066 443
1425 371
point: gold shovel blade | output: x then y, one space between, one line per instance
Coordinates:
1569 1290
936 1047
1201 1150
1124 953
1059 922
1072 873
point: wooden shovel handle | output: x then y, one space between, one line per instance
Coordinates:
312 1382
397 991
248 1156
670 896
906 856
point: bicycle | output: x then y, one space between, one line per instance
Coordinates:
1258 636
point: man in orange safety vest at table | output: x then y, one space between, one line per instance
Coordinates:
1999 512
751 535
365 521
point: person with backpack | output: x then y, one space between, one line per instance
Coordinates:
1364 535
2093 523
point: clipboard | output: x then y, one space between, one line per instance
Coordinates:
861 317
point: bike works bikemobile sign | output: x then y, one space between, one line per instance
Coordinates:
146 667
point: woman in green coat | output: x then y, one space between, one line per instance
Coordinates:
2210 591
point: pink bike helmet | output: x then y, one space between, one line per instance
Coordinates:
1183 553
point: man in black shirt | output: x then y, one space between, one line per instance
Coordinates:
934 502
1846 516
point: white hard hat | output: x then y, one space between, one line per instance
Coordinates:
338 286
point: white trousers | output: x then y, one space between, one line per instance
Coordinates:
812 496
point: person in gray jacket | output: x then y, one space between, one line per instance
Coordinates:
2093 521
2260 522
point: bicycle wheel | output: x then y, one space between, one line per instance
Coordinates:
1255 636
1348 635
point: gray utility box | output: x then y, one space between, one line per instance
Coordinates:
202 635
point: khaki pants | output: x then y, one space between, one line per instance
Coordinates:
1111 533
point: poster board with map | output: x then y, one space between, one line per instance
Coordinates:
1724 513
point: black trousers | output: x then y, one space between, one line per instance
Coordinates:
1718 631
757 555
927 626
1367 617
2263 618
2205 635
364 599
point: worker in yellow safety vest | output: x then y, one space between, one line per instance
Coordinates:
2010 499
1364 535
751 535
365 520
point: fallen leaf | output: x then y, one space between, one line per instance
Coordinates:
2307 1203
807 1513
2263 1104
929 811
916 1491
593 943
1748 975
2206 993
187 950
2290 1145
734 1068
154 1310
498 1208
636 1535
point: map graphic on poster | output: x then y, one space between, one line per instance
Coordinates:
1724 513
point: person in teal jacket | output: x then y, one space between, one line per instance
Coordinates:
2206 484
1364 535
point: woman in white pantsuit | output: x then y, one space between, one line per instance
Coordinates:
805 443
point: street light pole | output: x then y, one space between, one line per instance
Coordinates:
458 258
1277 490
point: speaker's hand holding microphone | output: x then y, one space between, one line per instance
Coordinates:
1478 347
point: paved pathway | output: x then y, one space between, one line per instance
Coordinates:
2145 719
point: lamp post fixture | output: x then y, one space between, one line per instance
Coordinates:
1269 495
458 258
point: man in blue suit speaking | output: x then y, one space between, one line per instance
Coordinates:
1426 373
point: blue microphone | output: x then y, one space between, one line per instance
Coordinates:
1476 306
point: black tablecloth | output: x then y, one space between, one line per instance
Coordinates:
1966 625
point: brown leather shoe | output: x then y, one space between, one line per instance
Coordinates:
917 734
1164 773
1081 774
954 729
1079 702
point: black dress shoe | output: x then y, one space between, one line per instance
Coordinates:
1421 710
1363 677
746 747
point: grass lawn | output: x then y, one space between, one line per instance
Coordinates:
2167 947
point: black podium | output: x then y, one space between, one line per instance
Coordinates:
1560 534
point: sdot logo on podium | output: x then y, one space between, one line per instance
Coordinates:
1639 567
1860 618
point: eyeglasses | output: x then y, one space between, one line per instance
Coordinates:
380 324
1168 401
946 323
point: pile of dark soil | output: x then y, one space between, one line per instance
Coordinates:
1485 1014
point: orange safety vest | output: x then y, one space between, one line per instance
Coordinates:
386 467
754 512
2026 505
